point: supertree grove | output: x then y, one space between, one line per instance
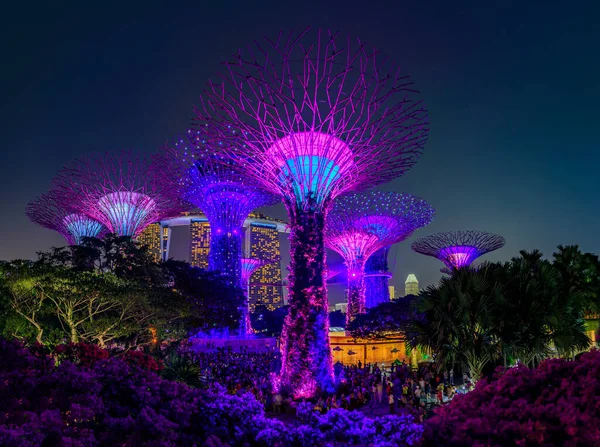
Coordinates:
213 186
377 278
50 212
249 266
458 249
311 116
361 224
120 190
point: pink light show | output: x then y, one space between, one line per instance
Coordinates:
120 190
458 249
361 224
214 186
49 212
310 116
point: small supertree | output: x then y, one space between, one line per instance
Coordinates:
361 224
249 266
120 190
311 116
213 186
49 212
377 278
458 249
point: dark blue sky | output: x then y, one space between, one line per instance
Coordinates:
513 90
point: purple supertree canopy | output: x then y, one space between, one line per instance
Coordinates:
361 224
310 116
221 193
50 212
121 191
458 249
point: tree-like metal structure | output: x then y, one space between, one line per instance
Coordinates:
310 116
122 191
361 224
377 278
458 249
50 212
249 266
221 193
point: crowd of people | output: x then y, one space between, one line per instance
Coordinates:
366 387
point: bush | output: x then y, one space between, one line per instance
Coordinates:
556 404
92 399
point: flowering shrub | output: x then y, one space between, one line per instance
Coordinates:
556 404
94 400
142 360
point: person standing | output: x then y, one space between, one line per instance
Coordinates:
380 392
452 377
391 402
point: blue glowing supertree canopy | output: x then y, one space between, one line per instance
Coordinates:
50 212
123 192
213 185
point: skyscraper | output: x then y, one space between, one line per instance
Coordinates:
411 285
156 238
262 242
199 242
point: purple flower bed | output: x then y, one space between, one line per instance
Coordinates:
96 400
557 403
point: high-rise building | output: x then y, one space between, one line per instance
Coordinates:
411 285
392 292
261 241
156 238
199 242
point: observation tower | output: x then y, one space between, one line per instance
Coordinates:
309 116
120 190
361 224
50 212
458 249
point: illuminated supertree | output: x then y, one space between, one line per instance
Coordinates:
361 224
50 212
213 186
458 249
121 191
377 278
309 117
249 266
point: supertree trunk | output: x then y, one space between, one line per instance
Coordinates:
356 291
306 355
225 254
377 282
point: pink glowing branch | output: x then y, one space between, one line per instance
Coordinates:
123 192
50 212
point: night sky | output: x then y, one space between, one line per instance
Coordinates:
512 88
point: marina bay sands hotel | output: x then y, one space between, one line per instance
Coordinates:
261 240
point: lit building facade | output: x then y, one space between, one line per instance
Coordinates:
156 238
411 285
260 240
392 292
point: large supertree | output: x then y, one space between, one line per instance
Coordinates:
311 116
361 224
122 191
50 212
212 184
458 249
